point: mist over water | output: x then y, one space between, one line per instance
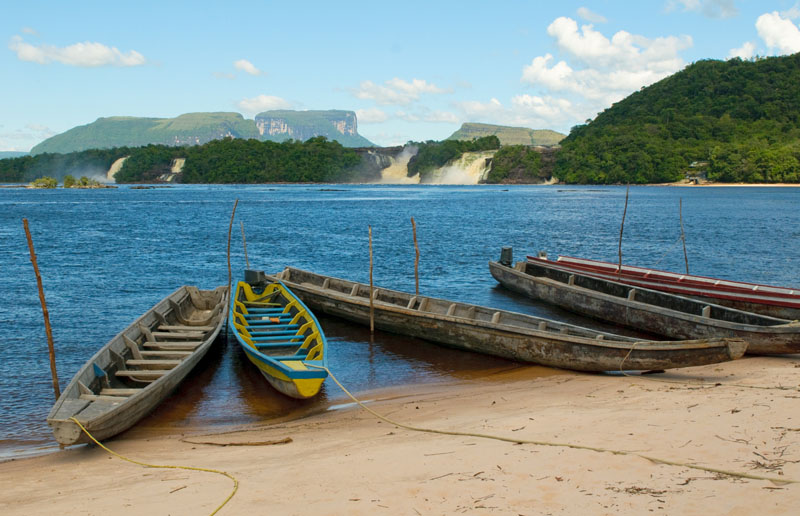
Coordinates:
108 255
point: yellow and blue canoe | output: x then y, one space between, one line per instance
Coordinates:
281 337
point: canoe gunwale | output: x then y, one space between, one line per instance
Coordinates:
627 350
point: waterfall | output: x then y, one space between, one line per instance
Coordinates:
397 172
115 167
469 169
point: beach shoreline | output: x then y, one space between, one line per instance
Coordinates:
347 461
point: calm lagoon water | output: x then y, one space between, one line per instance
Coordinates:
106 256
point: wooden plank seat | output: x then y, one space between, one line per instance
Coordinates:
276 332
152 363
259 303
268 345
119 392
183 327
173 346
165 354
97 397
176 335
151 374
286 338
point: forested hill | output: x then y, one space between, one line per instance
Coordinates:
731 120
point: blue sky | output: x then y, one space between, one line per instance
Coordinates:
411 70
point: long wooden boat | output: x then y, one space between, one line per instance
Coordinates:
651 311
140 366
280 336
498 332
781 302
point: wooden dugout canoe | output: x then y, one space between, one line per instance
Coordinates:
651 311
140 366
780 302
280 336
501 333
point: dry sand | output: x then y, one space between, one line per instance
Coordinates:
348 462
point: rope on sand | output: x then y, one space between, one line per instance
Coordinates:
656 460
165 466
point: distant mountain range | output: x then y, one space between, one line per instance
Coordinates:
199 128
11 154
508 135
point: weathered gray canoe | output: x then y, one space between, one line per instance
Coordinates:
498 332
655 312
139 367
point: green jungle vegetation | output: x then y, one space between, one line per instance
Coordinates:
83 182
44 182
218 161
516 163
508 135
432 155
738 120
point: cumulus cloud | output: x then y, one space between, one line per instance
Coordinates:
709 8
524 111
746 51
779 32
262 103
247 67
585 14
86 54
371 116
396 91
605 69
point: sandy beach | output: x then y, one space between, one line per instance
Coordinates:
743 417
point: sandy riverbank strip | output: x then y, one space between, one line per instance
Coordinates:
347 462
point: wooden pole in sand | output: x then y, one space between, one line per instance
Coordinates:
416 257
45 313
683 235
371 302
230 278
244 243
621 226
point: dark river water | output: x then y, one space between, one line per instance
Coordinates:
106 256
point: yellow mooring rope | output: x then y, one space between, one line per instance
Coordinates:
164 466
656 460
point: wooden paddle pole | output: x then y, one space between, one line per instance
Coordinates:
621 226
683 235
230 278
244 243
416 257
45 313
371 301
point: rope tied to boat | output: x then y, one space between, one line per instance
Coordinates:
656 460
165 466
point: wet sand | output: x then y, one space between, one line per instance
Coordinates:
346 461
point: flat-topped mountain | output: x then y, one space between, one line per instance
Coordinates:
200 128
508 135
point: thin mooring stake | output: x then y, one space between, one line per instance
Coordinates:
416 257
371 302
621 226
45 313
230 230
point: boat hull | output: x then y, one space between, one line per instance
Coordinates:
105 416
615 303
553 349
779 302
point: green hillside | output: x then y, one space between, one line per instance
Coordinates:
508 135
732 120
121 131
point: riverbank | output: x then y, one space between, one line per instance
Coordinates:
347 461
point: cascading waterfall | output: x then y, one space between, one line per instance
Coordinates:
469 169
115 167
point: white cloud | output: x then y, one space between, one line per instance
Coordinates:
423 114
262 103
525 111
709 8
746 51
792 13
779 32
247 67
86 54
592 17
371 116
29 30
396 91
